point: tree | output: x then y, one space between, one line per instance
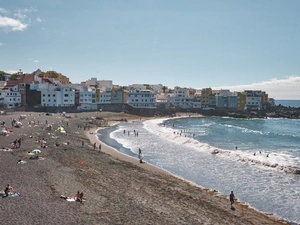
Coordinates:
164 88
148 87
49 74
14 76
192 91
2 76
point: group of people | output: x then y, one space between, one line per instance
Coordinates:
16 143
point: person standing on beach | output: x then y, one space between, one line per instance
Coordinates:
94 146
99 147
19 142
82 143
231 197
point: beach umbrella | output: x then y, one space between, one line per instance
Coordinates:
36 151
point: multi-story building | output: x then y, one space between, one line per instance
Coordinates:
225 99
59 96
241 101
205 96
141 99
253 99
87 99
10 96
181 98
117 97
264 98
105 96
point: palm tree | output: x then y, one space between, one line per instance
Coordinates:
164 88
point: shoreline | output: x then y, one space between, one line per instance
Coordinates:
118 189
214 193
119 155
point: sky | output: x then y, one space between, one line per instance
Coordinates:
222 44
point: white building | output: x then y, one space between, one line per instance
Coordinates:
105 85
141 99
60 96
253 99
181 98
138 87
104 96
87 99
10 96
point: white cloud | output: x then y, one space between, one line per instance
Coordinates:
21 13
19 21
1 44
36 61
3 10
11 71
279 89
39 19
12 24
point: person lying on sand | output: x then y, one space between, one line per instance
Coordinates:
36 157
78 197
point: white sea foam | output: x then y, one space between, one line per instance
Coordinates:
255 179
281 161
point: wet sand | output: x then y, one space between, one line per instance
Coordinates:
119 190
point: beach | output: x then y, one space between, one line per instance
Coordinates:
118 189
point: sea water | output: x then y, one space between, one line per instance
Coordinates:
256 158
288 103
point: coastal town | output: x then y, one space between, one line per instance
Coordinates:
53 92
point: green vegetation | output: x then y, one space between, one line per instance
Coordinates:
164 88
14 76
49 74
2 75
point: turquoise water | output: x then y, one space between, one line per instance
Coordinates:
256 158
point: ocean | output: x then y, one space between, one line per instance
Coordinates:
288 103
256 158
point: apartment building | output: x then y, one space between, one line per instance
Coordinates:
253 99
141 99
10 96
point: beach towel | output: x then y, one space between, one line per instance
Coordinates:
10 196
6 150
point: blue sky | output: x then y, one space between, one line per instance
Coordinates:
228 44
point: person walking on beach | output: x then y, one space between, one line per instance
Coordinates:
231 197
94 146
99 147
82 143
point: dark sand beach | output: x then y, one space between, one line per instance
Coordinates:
118 189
